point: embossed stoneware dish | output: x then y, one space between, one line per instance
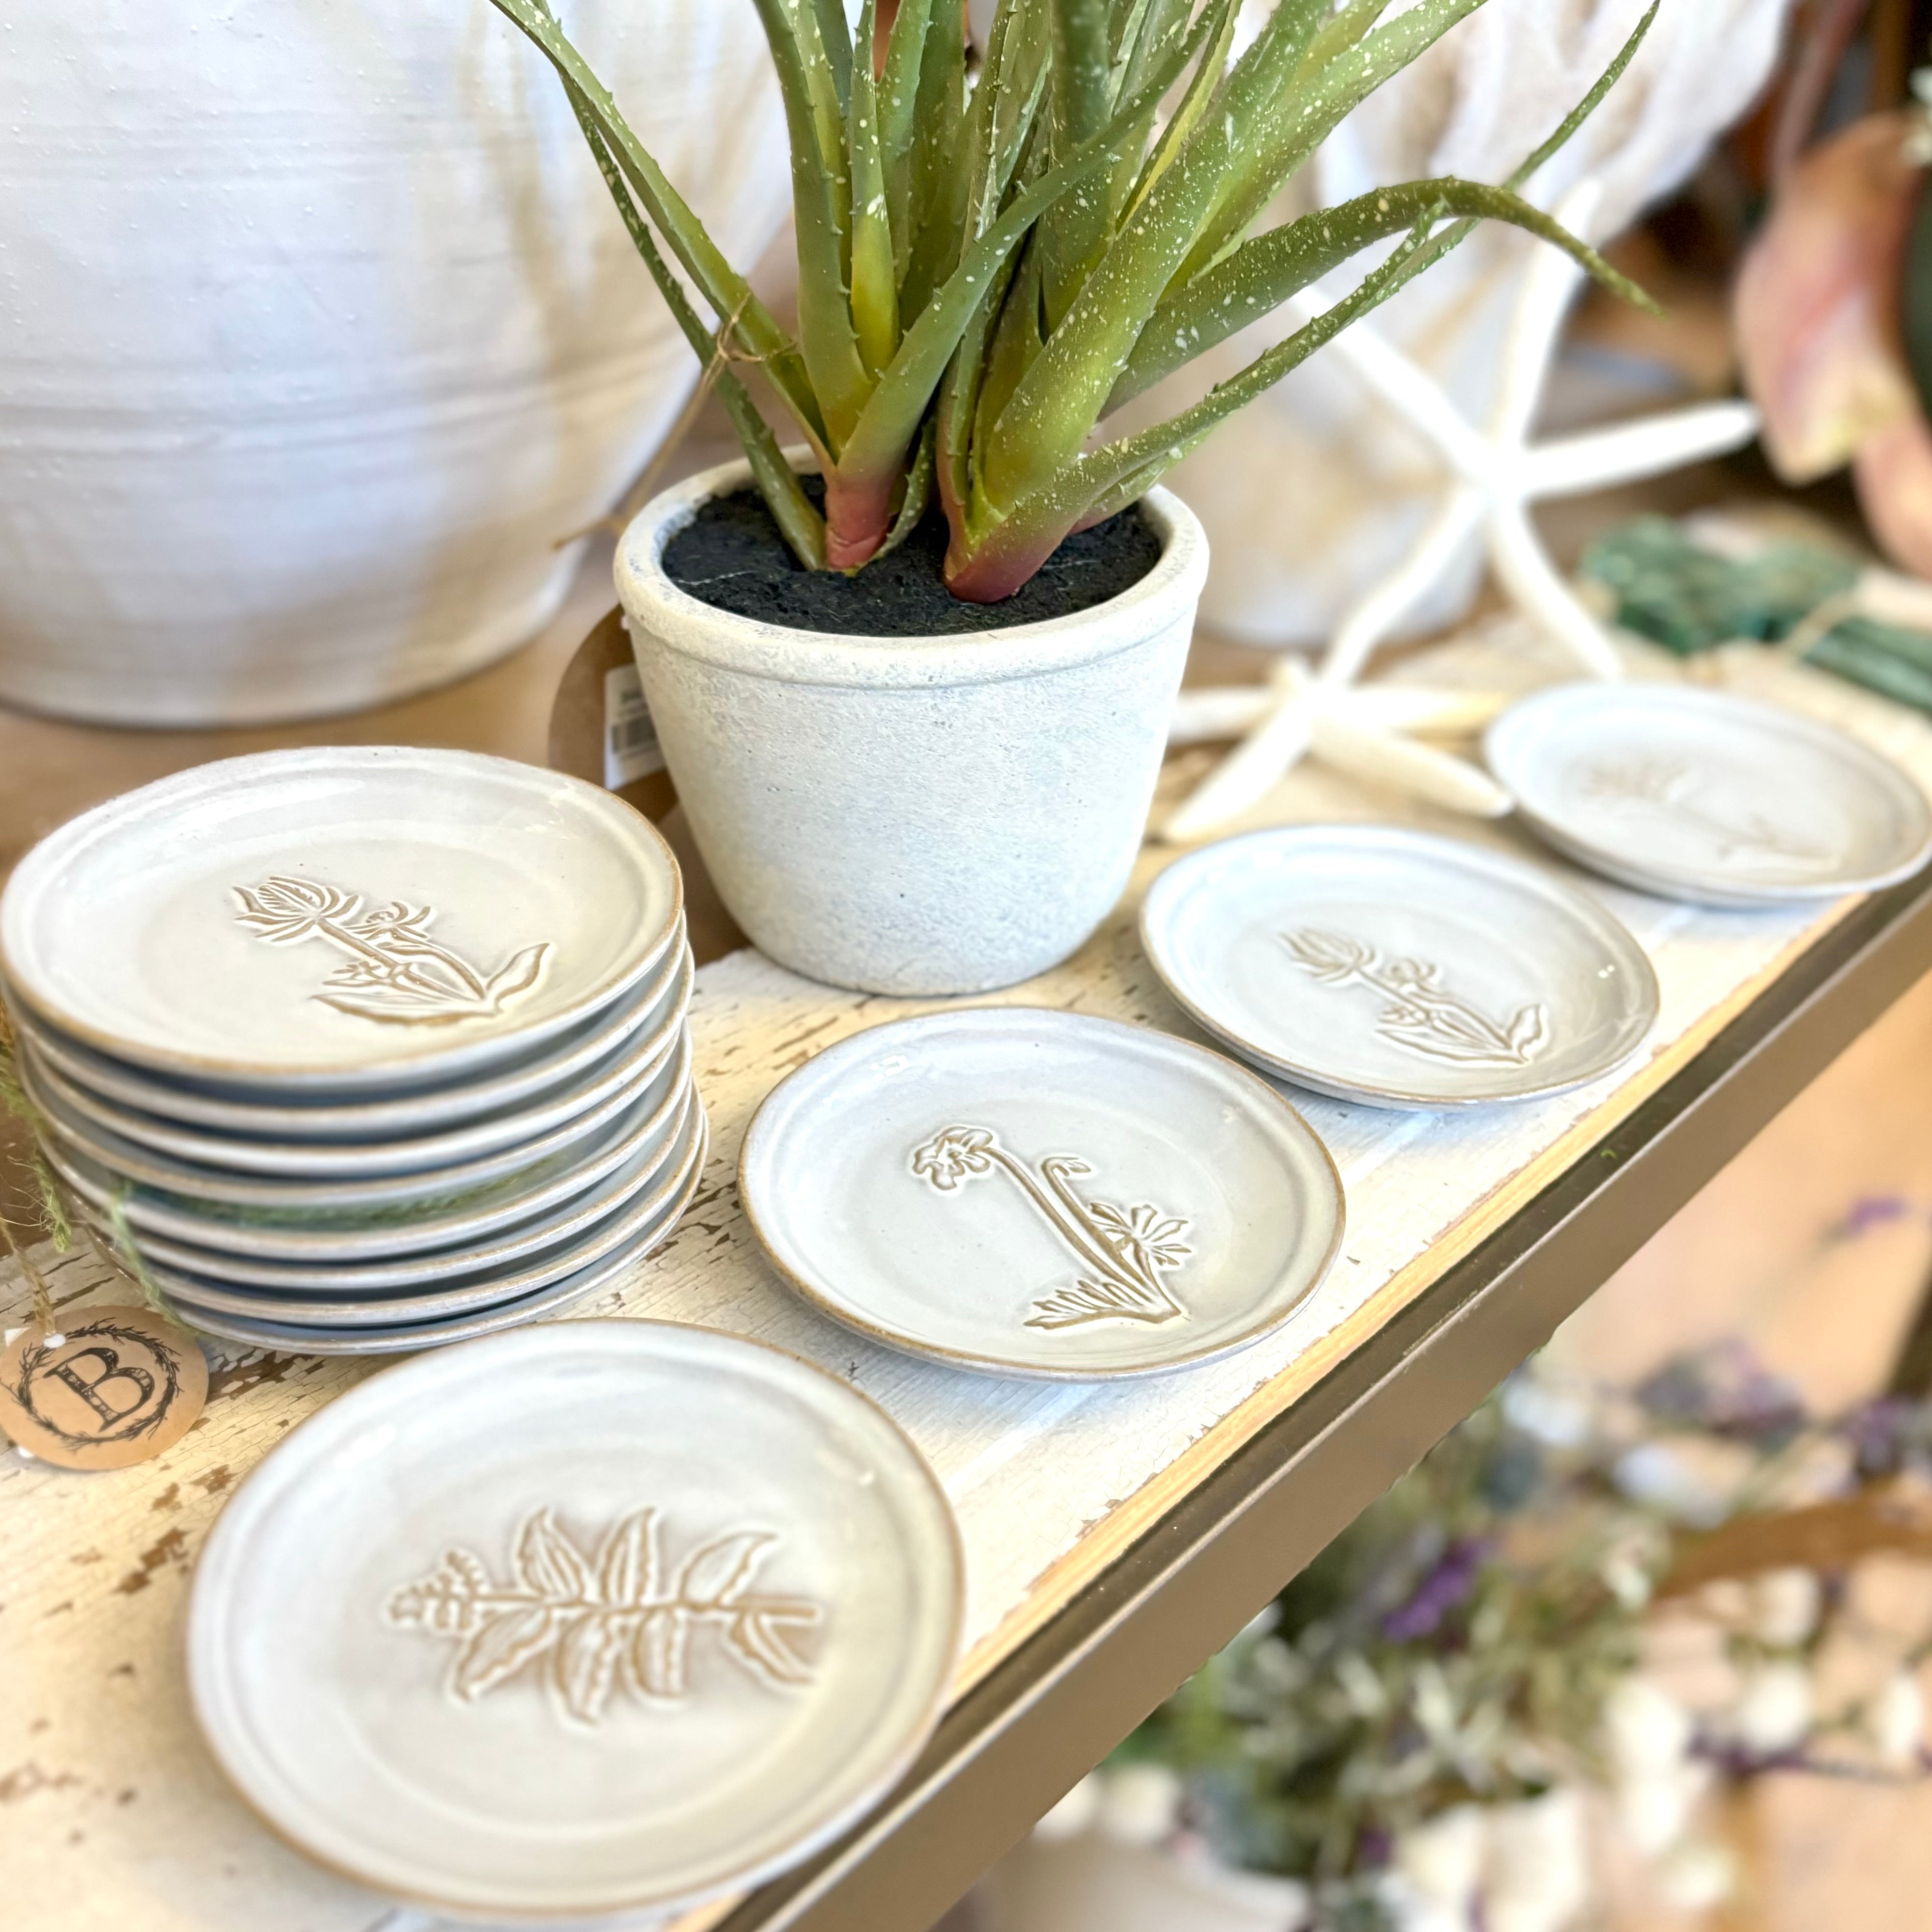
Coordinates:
1032 1193
1397 969
371 1234
460 1291
508 1132
1698 795
502 1633
536 1236
649 1012
405 1337
325 921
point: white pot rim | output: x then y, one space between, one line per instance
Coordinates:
756 648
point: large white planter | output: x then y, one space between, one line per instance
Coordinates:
912 815
318 332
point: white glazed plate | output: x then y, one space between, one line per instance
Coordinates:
1698 795
791 1611
322 921
306 1161
404 1337
527 1239
197 1181
410 1228
1397 969
652 1005
1040 1193
458 1290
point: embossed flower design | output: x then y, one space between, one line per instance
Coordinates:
612 1620
1144 1236
953 1154
284 909
1330 956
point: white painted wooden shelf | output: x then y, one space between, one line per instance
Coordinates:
1114 1534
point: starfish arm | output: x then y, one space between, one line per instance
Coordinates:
1258 763
1202 716
1376 613
1601 458
1385 757
1523 568
1441 710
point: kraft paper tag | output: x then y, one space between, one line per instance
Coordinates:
112 1387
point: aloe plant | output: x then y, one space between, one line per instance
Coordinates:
995 253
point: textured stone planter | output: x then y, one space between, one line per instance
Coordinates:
909 815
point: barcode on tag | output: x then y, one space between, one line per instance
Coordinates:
630 750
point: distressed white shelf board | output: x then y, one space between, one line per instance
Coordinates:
113 1819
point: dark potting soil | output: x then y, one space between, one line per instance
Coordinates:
731 556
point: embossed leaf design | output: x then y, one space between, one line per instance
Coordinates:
1147 1233
627 1565
503 1647
716 1575
547 1562
1529 1030
518 976
608 1622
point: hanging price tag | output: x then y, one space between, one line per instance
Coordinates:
110 1387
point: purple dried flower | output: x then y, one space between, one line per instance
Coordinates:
1444 1588
1869 1211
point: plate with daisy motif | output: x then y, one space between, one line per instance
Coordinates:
1397 969
1025 1192
576 1621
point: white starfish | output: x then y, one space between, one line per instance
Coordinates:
1494 475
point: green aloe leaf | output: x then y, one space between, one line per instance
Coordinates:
720 285
798 519
891 418
938 183
1266 270
899 103
1073 233
821 190
875 294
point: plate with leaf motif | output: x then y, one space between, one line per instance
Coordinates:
1698 795
1397 969
325 921
502 1633
1025 1192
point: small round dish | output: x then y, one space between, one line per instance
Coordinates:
538 1236
1697 795
275 1194
408 1228
458 1290
1396 969
652 1005
500 1633
1038 1193
307 1161
322 921
404 1338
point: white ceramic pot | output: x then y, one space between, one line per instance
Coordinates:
910 815
318 332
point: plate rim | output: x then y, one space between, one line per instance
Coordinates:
429 1105
1389 1099
51 854
416 1338
925 1480
642 1056
977 1363
1688 885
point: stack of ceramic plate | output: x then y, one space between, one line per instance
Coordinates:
367 1048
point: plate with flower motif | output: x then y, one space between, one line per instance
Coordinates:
1030 1192
323 921
590 1619
1397 969
1698 795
